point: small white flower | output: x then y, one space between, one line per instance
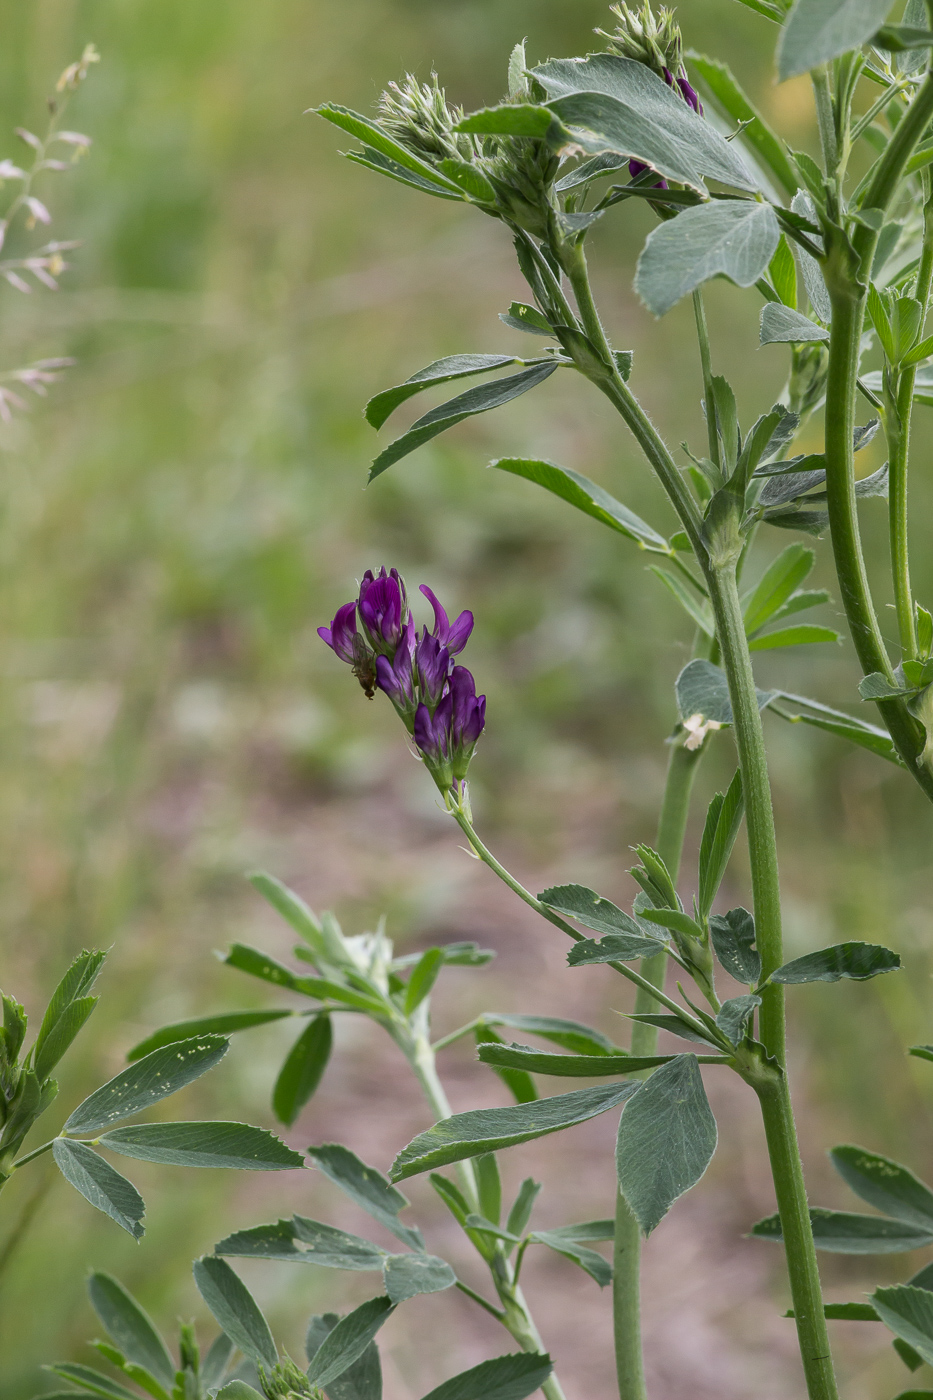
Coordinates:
697 727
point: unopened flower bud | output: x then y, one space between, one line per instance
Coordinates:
383 606
646 37
418 116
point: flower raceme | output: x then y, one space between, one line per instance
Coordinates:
435 698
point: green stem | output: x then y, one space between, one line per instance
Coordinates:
822 92
626 1281
706 365
773 1091
515 1315
897 429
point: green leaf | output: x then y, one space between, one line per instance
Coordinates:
362 1380
469 178
618 104
857 961
719 835
15 1022
238 1390
568 1066
504 1378
845 1312
844 1232
728 96
438 372
908 1312
100 1184
804 635
407 1275
371 159
489 1186
302 1071
592 1263
378 140
203 1145
876 686
480 399
779 581
73 987
368 1188
90 1380
348 1340
522 317
733 939
570 1035
422 979
304 1241
509 119
586 496
818 30
734 239
674 919
235 1309
222 1023
674 1026
155 1077
733 1016
696 608
702 689
886 1185
215 1363
667 1137
615 947
586 907
491 1129
783 325
130 1327
782 270
519 1083
857 731
520 1214
922 1052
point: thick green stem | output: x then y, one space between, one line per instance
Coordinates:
897 427
848 302
626 1281
773 1092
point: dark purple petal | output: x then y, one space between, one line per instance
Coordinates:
395 679
441 620
690 96
432 733
636 168
433 663
459 633
468 717
381 608
340 634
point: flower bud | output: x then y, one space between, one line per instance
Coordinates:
654 40
383 606
418 116
433 666
468 719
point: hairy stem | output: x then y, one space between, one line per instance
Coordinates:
773 1092
515 1315
897 429
626 1281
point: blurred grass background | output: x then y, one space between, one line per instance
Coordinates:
188 506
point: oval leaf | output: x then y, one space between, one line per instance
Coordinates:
235 1309
236 1145
782 324
223 1023
152 1078
438 372
348 1340
490 1129
667 1137
99 1183
407 1275
504 1378
304 1241
129 1327
368 1188
301 1073
886 1185
908 1312
846 1232
857 961
734 239
578 491
818 30
572 1066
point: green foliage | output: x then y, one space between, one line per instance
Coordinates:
348 1340
586 496
504 1378
368 1188
667 1137
302 1069
730 239
235 1309
818 30
857 961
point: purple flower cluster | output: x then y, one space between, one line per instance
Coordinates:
692 99
435 698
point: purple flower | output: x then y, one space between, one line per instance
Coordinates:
432 739
453 636
341 632
346 642
396 677
432 662
468 718
382 605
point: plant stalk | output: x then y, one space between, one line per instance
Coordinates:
515 1315
772 1089
626 1279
